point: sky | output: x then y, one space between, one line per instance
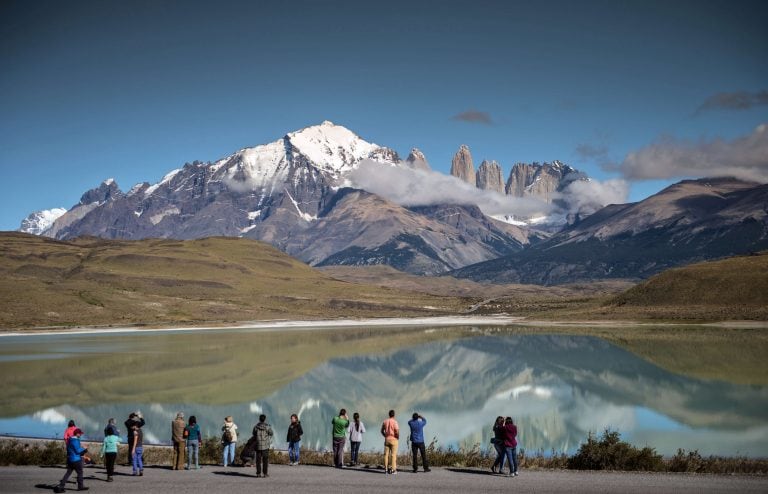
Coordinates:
642 92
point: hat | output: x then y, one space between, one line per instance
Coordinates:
77 432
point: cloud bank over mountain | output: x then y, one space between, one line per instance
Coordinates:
744 157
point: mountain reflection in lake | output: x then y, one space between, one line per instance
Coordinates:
557 388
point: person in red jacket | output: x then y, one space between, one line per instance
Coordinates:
510 445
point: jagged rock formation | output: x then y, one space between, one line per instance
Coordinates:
540 181
489 177
39 221
462 166
417 160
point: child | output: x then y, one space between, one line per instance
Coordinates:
356 432
75 457
138 449
109 450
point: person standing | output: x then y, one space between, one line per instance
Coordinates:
294 439
391 432
69 432
498 444
192 434
111 428
417 424
356 431
229 440
75 455
138 450
135 418
177 436
109 451
340 424
263 434
510 443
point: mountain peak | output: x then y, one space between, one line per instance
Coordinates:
332 147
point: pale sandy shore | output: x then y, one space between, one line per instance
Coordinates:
416 322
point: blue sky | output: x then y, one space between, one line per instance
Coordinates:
131 90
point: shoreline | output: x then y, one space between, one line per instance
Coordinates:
416 322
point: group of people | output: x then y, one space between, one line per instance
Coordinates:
390 430
186 437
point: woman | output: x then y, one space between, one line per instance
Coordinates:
229 440
356 432
111 428
192 435
109 450
294 439
510 445
498 444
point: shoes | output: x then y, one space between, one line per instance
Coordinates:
415 471
141 473
83 488
110 479
258 475
515 474
394 472
427 470
265 475
493 469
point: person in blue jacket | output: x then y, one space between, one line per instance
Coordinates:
75 456
417 424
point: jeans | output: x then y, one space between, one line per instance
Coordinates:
293 451
262 461
355 451
338 451
229 453
512 458
136 460
193 450
500 452
416 448
390 454
110 463
76 466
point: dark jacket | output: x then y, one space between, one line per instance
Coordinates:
295 432
498 434
263 433
129 426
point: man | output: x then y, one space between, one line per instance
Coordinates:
417 424
177 436
391 432
340 424
75 457
263 434
134 419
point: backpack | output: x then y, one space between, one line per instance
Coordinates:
227 435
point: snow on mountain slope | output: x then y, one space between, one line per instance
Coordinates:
39 221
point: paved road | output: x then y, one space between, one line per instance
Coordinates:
320 479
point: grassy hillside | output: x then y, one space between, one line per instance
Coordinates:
731 288
159 282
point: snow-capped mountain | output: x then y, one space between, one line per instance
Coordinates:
39 221
294 193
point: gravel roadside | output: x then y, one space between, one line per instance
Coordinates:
322 479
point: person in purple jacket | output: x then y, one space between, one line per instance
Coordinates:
417 424
510 445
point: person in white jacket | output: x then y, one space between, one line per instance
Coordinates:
356 431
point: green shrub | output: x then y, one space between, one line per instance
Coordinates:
611 453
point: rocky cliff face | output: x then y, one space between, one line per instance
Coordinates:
417 160
542 181
489 177
462 166
39 221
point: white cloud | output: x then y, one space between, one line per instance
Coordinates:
582 195
745 157
411 187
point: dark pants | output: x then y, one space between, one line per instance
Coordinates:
355 451
110 462
76 466
501 451
262 461
338 451
419 447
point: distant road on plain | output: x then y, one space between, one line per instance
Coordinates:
322 479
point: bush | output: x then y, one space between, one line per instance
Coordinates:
611 453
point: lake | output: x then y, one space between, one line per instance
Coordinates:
557 387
